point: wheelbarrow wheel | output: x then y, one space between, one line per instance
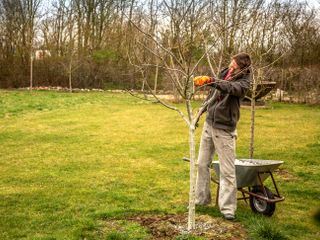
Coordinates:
261 206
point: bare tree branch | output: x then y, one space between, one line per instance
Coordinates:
156 41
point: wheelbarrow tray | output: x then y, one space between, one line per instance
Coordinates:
248 170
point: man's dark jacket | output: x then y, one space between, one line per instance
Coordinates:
224 113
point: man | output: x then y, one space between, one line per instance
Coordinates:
219 134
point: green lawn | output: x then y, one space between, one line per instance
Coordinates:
70 161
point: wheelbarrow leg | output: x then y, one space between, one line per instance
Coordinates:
262 186
275 185
218 190
244 197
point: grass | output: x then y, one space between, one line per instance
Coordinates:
69 161
187 237
262 228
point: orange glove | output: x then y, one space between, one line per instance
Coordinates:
202 80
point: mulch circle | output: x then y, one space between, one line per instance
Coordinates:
170 226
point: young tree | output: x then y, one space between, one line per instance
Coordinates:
180 49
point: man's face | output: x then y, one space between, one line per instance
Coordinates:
233 65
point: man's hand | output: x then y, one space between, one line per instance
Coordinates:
202 80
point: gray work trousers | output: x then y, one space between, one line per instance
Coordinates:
223 143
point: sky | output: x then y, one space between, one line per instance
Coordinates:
315 3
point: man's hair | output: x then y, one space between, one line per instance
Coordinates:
242 59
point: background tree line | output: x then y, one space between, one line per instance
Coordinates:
96 43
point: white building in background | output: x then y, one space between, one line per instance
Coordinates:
41 54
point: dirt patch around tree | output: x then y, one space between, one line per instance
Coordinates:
171 226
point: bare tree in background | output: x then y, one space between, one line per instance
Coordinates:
71 45
101 29
19 18
29 10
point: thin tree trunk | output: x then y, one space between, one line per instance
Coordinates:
156 79
176 95
70 76
253 105
193 171
281 85
31 71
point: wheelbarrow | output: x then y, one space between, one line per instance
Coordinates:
250 174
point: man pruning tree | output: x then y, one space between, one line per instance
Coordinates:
219 132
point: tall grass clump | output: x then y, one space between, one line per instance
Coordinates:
262 229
